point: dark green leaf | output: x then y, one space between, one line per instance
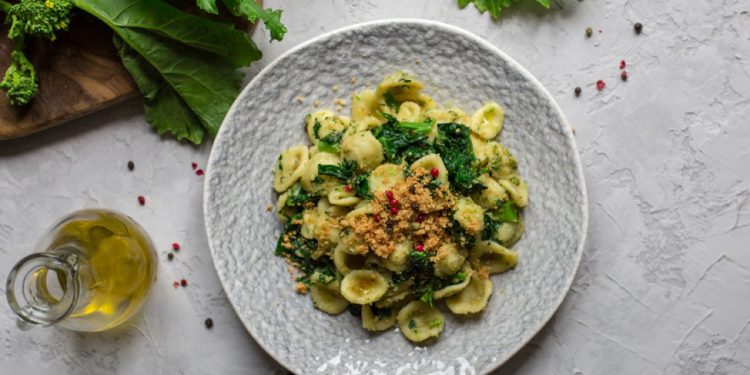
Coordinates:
164 108
403 142
208 6
454 146
507 212
361 186
344 171
157 16
252 11
298 197
390 101
329 143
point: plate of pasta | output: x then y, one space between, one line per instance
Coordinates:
374 209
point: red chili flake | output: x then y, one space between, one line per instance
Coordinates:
347 188
194 165
175 246
434 172
142 200
199 172
600 85
183 282
622 64
175 285
420 218
420 247
389 194
394 210
624 75
376 217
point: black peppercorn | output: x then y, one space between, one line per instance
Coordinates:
589 32
209 323
577 91
638 28
131 165
412 189
170 256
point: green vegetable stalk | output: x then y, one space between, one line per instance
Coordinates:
184 65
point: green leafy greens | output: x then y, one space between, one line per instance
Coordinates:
495 6
454 146
347 171
298 250
404 140
183 64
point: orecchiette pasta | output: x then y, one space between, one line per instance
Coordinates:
403 207
487 122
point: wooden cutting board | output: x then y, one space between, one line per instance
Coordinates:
79 73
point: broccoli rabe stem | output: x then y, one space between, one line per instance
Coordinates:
5 6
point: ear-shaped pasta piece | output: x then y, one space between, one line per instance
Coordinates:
385 176
501 163
367 123
364 149
396 295
471 299
289 167
326 208
312 181
327 232
493 193
492 256
487 121
283 212
364 104
452 289
397 261
363 286
324 122
364 208
346 259
375 319
341 197
401 86
519 192
309 222
419 321
409 112
507 234
481 149
428 162
448 260
327 299
469 215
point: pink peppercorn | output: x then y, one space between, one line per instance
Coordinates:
420 247
394 210
199 172
600 85
624 75
420 218
183 282
376 217
347 188
434 172
389 194
141 200
176 246
622 64
194 165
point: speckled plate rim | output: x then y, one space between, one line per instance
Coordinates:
567 132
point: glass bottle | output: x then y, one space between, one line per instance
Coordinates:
92 271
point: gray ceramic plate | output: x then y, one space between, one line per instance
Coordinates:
458 69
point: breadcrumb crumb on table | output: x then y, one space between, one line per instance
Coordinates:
339 101
300 99
354 80
300 288
316 103
335 88
269 208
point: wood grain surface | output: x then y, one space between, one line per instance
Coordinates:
79 73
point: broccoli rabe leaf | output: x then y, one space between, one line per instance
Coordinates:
495 7
344 170
454 146
403 141
298 250
253 12
506 212
361 185
331 142
298 197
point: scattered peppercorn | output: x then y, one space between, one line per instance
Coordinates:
434 172
638 27
131 165
194 165
420 218
389 194
600 85
577 91
415 206
142 200
624 75
420 247
589 32
412 189
394 210
175 246
183 282
622 64
175 285
347 188
170 256
209 323
199 172
376 218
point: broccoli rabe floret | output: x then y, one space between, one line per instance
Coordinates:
20 83
39 18
30 17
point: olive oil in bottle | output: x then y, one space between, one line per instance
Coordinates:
94 270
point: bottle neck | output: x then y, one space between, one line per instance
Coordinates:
42 288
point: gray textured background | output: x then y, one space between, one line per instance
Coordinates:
664 286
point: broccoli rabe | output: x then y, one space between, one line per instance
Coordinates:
20 82
36 18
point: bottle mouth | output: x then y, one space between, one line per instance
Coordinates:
42 288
